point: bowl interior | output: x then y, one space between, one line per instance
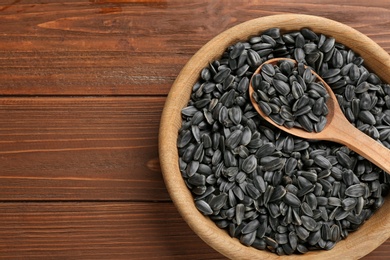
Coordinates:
373 233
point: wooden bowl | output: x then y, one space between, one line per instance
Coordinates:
358 244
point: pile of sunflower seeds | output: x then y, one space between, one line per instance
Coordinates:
269 189
291 95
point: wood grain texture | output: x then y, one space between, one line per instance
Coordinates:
82 86
80 149
97 231
104 231
136 47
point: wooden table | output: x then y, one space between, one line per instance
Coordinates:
83 84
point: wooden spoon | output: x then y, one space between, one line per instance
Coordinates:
337 129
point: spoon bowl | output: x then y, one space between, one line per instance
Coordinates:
337 129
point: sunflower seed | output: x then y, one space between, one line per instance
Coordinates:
237 50
341 214
302 111
259 244
367 117
319 88
252 191
249 164
203 207
238 192
306 209
234 139
362 87
285 113
333 201
322 162
241 71
318 106
278 193
344 159
268 69
189 153
314 237
302 233
184 138
355 191
222 75
240 211
281 239
335 231
259 45
297 90
254 59
291 199
331 73
306 123
299 54
197 179
250 227
372 176
282 87
322 201
218 201
277 119
248 239
271 242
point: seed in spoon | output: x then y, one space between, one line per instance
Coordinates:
293 95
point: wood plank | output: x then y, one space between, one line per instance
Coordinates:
132 47
104 231
80 149
97 231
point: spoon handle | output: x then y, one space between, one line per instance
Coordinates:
348 135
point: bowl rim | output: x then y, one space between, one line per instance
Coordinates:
376 59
